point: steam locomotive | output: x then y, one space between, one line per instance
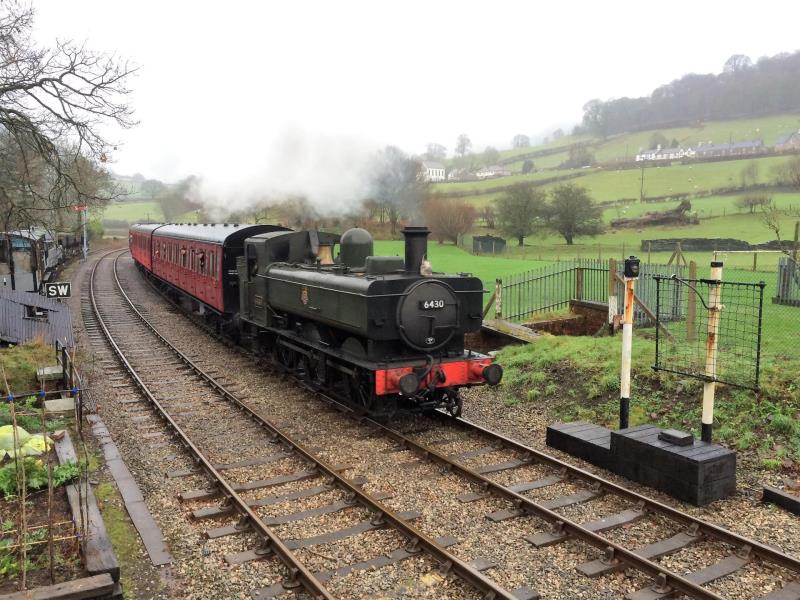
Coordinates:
380 332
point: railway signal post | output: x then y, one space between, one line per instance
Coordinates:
631 274
712 343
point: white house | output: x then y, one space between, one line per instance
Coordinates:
492 171
433 171
660 153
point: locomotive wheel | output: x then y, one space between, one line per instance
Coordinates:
361 391
453 402
314 370
285 357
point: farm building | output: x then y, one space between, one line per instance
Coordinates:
788 142
25 316
488 244
492 171
461 175
746 148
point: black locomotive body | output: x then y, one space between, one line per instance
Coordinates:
381 331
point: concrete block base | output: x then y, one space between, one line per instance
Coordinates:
696 472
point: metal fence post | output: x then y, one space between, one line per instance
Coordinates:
691 307
64 374
712 344
498 300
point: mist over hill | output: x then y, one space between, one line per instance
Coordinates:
744 88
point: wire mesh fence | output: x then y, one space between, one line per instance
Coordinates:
710 329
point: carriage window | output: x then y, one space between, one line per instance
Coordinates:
201 262
183 257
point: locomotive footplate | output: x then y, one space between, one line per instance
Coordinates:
421 384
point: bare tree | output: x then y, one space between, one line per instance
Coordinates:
399 184
449 218
463 144
152 188
435 151
521 141
749 174
788 173
772 216
489 217
54 103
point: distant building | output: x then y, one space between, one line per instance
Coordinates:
433 171
488 244
492 171
660 153
788 142
746 148
461 175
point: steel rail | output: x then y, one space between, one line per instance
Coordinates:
761 550
622 554
416 538
297 569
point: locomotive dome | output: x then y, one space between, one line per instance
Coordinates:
355 246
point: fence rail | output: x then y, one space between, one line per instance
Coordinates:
551 288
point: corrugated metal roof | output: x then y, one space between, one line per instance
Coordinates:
213 232
17 328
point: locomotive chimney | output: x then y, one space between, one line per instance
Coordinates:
416 247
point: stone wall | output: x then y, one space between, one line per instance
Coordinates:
709 244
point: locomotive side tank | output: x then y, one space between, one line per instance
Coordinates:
389 315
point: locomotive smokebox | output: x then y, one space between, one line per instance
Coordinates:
416 247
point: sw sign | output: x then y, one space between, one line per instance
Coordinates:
58 290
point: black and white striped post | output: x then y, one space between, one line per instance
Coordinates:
712 343
631 274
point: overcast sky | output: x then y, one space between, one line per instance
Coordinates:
222 85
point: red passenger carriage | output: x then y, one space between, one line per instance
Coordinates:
197 259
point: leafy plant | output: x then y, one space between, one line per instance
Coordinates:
35 475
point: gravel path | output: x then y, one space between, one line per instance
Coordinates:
338 440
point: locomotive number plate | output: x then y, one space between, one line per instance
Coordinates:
431 304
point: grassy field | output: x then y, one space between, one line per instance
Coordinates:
618 147
478 186
604 185
133 211
551 161
615 185
765 128
452 259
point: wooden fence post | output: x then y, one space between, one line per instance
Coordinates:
755 260
579 283
691 306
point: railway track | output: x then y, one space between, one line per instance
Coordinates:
528 487
140 347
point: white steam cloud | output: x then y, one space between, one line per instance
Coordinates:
333 174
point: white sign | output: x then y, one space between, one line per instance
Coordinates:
58 290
